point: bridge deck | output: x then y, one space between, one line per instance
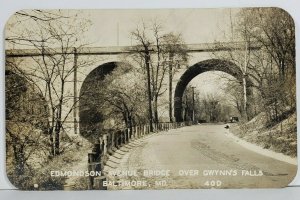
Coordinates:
113 50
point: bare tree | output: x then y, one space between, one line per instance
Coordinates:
274 30
56 38
268 59
26 124
235 96
176 52
161 54
143 56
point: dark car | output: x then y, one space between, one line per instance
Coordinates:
234 119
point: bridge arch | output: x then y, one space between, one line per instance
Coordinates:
199 68
90 118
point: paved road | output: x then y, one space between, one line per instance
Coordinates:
201 156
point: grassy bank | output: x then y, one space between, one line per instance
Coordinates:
39 178
281 137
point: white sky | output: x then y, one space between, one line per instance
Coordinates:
195 25
211 83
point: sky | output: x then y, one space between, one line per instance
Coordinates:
204 82
113 27
195 25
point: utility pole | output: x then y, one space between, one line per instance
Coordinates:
185 108
170 87
75 109
244 79
118 34
231 25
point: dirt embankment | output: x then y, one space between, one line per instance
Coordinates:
281 137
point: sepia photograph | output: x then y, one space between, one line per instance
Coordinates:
147 99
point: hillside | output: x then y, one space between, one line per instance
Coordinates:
281 137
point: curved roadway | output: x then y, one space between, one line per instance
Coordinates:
200 156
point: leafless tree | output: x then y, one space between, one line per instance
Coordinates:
274 30
26 125
268 59
177 58
56 37
161 55
143 50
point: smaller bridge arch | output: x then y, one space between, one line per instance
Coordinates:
199 68
90 117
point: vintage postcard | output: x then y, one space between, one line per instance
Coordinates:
150 99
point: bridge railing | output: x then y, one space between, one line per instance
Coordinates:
109 143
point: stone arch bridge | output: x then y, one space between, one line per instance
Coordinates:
202 58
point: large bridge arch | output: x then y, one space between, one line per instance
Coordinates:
199 68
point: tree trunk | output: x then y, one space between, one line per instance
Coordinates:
147 59
155 109
57 140
50 132
19 158
130 125
57 132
